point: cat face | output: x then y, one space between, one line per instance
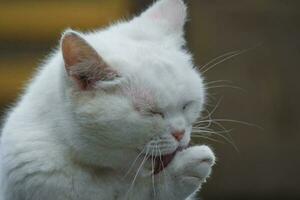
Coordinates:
133 86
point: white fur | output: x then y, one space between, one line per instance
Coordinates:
62 143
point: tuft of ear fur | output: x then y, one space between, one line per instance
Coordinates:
83 64
169 14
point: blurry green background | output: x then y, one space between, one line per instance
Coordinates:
267 165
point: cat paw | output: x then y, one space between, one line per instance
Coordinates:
193 165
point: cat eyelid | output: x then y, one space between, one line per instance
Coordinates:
187 104
151 112
154 112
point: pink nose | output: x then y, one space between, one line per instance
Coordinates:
178 135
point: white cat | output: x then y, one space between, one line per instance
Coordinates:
109 117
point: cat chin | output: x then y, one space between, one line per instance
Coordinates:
162 162
156 163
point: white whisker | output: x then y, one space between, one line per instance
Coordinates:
214 109
152 174
163 171
233 121
226 86
133 163
136 174
218 81
211 132
217 58
224 59
228 134
207 138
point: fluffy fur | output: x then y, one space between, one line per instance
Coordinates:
102 109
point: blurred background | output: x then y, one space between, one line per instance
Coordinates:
260 86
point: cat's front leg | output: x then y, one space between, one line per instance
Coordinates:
187 172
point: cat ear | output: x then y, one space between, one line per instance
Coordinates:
83 64
169 14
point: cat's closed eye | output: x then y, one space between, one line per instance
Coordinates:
187 105
157 113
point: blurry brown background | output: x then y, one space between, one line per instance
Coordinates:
267 164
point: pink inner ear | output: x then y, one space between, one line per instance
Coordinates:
173 12
70 53
84 82
156 15
83 63
76 50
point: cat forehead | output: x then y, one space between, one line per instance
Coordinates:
164 93
130 56
164 88
155 65
124 47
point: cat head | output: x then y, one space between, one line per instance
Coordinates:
133 85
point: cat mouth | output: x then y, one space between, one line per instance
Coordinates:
161 162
